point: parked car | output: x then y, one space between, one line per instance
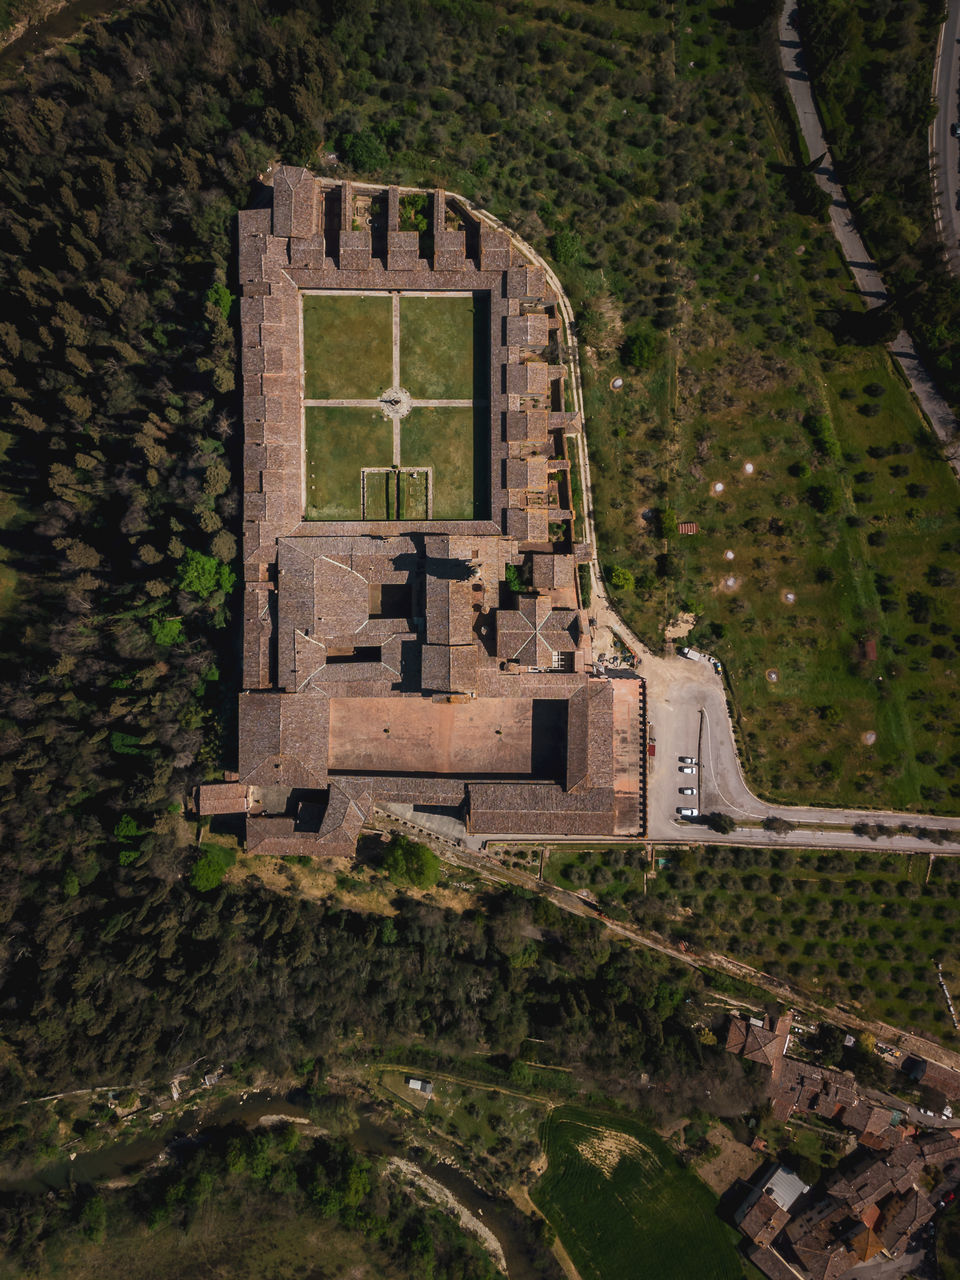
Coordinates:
688 791
689 813
955 130
686 768
686 759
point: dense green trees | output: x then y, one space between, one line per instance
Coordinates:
125 155
238 1189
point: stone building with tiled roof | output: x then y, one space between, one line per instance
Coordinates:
386 661
872 1209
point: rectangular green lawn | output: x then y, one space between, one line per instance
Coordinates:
412 495
347 346
379 493
339 443
443 439
437 347
623 1207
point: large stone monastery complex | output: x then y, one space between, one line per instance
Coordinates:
387 661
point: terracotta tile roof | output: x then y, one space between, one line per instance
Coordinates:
764 1220
449 668
221 797
313 592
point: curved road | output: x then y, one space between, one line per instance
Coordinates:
945 149
862 267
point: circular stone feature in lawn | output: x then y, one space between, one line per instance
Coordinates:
728 555
748 468
729 584
788 597
616 384
396 402
868 738
773 675
717 487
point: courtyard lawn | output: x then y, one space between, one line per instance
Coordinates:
347 346
437 347
412 495
444 439
379 495
339 443
622 1206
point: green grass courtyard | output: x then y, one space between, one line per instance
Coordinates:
347 346
348 343
339 443
437 347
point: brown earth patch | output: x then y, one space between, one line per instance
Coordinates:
733 1160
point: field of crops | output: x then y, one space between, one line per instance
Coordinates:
623 1207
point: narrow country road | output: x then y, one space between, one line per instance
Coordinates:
944 148
863 269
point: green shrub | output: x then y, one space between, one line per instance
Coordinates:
212 865
203 575
407 862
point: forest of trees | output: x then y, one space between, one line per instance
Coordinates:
125 156
229 1201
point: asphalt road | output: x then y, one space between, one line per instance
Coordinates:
687 710
862 267
945 150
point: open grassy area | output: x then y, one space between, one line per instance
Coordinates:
444 439
622 1205
347 346
842 535
339 442
437 347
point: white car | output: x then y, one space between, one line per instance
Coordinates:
689 813
686 768
687 791
687 759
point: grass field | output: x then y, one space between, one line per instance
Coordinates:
412 495
339 442
624 1208
336 327
444 439
437 347
380 495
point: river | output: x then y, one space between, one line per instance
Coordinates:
61 25
124 1159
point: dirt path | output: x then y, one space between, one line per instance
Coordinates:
521 1198
489 868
